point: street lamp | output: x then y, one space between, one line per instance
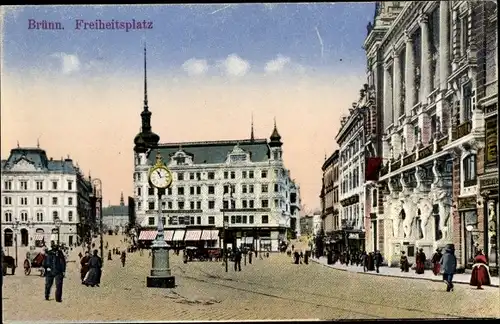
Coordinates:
30 225
226 225
16 231
58 223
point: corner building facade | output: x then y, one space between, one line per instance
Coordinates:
241 182
433 129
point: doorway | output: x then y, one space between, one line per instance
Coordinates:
8 237
24 237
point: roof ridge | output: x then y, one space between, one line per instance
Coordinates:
244 141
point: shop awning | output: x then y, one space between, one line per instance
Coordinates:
169 235
178 235
210 235
147 235
192 235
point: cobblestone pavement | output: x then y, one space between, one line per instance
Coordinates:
463 278
272 288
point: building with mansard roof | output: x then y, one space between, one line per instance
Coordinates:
242 182
423 65
116 217
36 191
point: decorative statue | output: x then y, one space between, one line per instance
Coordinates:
491 220
407 223
443 219
425 214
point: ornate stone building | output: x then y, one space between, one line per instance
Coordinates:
243 183
330 196
433 130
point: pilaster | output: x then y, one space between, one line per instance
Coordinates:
425 77
388 110
397 86
409 75
444 44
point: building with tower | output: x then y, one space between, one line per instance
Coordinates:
242 182
116 218
39 192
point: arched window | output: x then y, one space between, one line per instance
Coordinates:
55 215
8 217
469 168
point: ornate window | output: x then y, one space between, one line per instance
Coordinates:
469 167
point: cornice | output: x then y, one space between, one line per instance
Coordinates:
402 20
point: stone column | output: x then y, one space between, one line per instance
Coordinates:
425 61
387 98
444 44
409 76
397 87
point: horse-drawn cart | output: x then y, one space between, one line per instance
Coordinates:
34 261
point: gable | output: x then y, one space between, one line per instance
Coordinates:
23 165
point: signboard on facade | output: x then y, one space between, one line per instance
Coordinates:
353 236
467 203
491 140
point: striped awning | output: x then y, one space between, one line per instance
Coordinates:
192 235
147 235
210 235
178 235
39 237
169 235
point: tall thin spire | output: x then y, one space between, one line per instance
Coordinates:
122 200
145 79
251 131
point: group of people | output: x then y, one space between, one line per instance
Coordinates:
370 261
116 251
91 269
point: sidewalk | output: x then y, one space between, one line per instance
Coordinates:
396 272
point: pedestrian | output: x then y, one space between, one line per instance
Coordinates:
109 255
306 257
55 268
250 253
296 257
93 277
301 256
403 262
435 261
347 258
364 260
237 259
293 247
420 262
378 259
84 263
123 257
480 272
449 264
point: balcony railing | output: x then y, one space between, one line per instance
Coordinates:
470 182
409 159
462 130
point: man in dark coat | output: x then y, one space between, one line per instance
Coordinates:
55 267
296 257
378 260
449 265
93 276
237 259
123 257
84 263
250 253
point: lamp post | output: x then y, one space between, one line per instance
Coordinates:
30 225
97 185
58 223
226 225
16 231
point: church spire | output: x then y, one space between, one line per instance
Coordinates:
275 137
122 201
251 131
145 79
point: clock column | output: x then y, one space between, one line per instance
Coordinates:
160 275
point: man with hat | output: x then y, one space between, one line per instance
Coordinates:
55 266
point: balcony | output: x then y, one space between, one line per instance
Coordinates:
409 159
462 130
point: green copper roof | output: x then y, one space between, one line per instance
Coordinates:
213 152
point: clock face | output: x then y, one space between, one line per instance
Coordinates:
160 178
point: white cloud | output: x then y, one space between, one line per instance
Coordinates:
277 65
70 63
234 65
195 67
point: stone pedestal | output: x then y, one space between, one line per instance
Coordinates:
160 276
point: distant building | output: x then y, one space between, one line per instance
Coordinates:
329 196
36 191
306 225
116 217
241 182
317 223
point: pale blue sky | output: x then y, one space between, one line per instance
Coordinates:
255 32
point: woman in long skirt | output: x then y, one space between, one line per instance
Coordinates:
435 261
480 272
